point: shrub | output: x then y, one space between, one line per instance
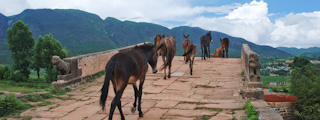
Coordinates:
250 111
9 104
305 84
34 97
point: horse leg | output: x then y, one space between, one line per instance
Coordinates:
190 65
136 92
119 105
140 96
201 52
169 74
164 67
227 53
209 50
115 102
184 52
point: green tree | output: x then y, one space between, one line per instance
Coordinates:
21 43
305 82
300 62
45 48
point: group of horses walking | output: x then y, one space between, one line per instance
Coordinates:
128 67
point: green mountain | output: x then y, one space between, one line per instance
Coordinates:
313 51
82 32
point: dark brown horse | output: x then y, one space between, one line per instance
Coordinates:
218 53
127 68
168 50
185 44
205 43
225 46
190 54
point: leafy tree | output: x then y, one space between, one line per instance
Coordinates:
45 48
21 43
300 62
305 82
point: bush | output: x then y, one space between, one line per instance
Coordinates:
250 111
305 84
51 75
9 104
57 91
34 97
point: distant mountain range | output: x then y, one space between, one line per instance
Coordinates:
82 32
313 51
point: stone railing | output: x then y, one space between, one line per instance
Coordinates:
251 68
84 66
253 88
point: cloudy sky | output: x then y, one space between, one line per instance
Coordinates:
289 23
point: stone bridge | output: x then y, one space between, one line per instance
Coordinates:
217 90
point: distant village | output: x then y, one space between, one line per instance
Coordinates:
280 68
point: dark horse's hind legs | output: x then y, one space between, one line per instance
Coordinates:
140 96
136 92
209 51
119 105
201 53
116 102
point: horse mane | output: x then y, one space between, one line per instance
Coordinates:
146 46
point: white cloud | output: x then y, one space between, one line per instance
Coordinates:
251 21
301 30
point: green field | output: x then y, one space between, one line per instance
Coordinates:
266 79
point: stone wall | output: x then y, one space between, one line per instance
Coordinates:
251 73
87 65
253 87
285 109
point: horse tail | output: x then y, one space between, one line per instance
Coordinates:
188 52
105 88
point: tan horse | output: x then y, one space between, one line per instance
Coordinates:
190 54
185 44
218 53
168 50
225 46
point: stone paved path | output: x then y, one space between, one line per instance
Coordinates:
213 92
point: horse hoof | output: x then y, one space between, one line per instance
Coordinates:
164 78
140 114
133 109
169 76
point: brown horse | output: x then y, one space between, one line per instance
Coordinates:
168 50
157 39
190 54
225 46
218 53
127 68
185 44
205 42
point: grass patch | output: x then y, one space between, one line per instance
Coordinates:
11 106
250 111
94 77
204 117
211 109
26 118
204 86
197 103
45 103
23 87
